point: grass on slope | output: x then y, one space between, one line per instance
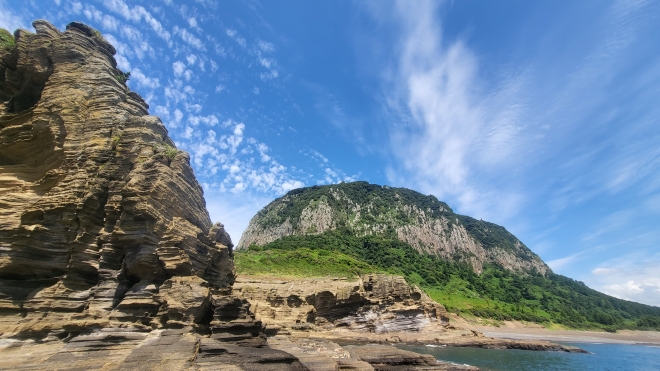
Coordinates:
301 262
497 293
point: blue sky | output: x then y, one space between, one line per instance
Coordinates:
543 117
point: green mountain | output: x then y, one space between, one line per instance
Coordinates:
471 266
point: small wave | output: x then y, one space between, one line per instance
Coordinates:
435 346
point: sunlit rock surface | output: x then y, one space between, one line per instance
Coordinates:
108 257
377 303
423 222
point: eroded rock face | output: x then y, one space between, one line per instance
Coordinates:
101 218
423 222
374 303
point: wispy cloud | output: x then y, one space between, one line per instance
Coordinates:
143 80
10 20
138 14
189 38
634 276
442 127
233 34
479 141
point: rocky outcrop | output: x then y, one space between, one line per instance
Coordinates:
423 222
322 355
98 210
130 349
108 257
376 303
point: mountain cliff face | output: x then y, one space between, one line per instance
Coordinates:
428 225
108 256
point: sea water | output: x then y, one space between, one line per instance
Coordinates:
602 357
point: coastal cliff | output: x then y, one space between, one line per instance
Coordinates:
108 257
376 303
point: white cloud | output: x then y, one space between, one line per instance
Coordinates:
141 47
189 38
192 22
266 76
603 271
266 62
634 276
233 34
108 22
234 140
433 92
144 81
557 264
122 62
179 68
11 21
188 132
137 14
219 88
211 120
246 163
265 47
255 91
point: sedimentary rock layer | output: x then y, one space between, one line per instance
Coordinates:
108 257
98 210
373 303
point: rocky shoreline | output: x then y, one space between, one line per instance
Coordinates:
372 309
109 259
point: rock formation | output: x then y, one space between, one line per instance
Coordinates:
376 303
107 253
108 257
428 225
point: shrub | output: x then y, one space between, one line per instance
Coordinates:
123 77
97 34
6 39
170 152
115 141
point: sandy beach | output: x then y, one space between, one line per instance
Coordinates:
522 332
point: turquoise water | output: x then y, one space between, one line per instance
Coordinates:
603 357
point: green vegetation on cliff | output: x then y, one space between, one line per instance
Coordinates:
302 262
370 228
6 39
497 293
361 208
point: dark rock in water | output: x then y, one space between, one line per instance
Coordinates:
389 358
324 355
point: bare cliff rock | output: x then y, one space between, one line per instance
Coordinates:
377 303
423 222
108 257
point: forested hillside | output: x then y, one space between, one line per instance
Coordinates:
496 293
471 266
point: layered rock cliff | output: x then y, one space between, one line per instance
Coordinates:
376 303
428 225
98 210
108 256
